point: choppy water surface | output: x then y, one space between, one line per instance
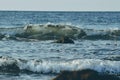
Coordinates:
37 58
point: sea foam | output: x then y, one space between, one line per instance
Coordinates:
47 66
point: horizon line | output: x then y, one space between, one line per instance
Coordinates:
66 10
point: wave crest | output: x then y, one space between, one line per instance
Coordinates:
55 31
45 66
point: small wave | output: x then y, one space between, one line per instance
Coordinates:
55 31
8 64
108 34
50 31
44 32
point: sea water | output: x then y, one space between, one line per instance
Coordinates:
32 58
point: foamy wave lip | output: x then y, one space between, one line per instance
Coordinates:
43 66
44 31
52 31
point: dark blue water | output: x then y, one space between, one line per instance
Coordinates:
42 59
17 18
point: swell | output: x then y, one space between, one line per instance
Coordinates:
109 34
15 65
55 31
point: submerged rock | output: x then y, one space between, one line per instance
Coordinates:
65 40
86 74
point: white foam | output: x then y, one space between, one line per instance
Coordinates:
56 67
51 30
6 61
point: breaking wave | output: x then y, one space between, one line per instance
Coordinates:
55 31
8 64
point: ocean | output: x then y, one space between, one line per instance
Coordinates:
27 51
